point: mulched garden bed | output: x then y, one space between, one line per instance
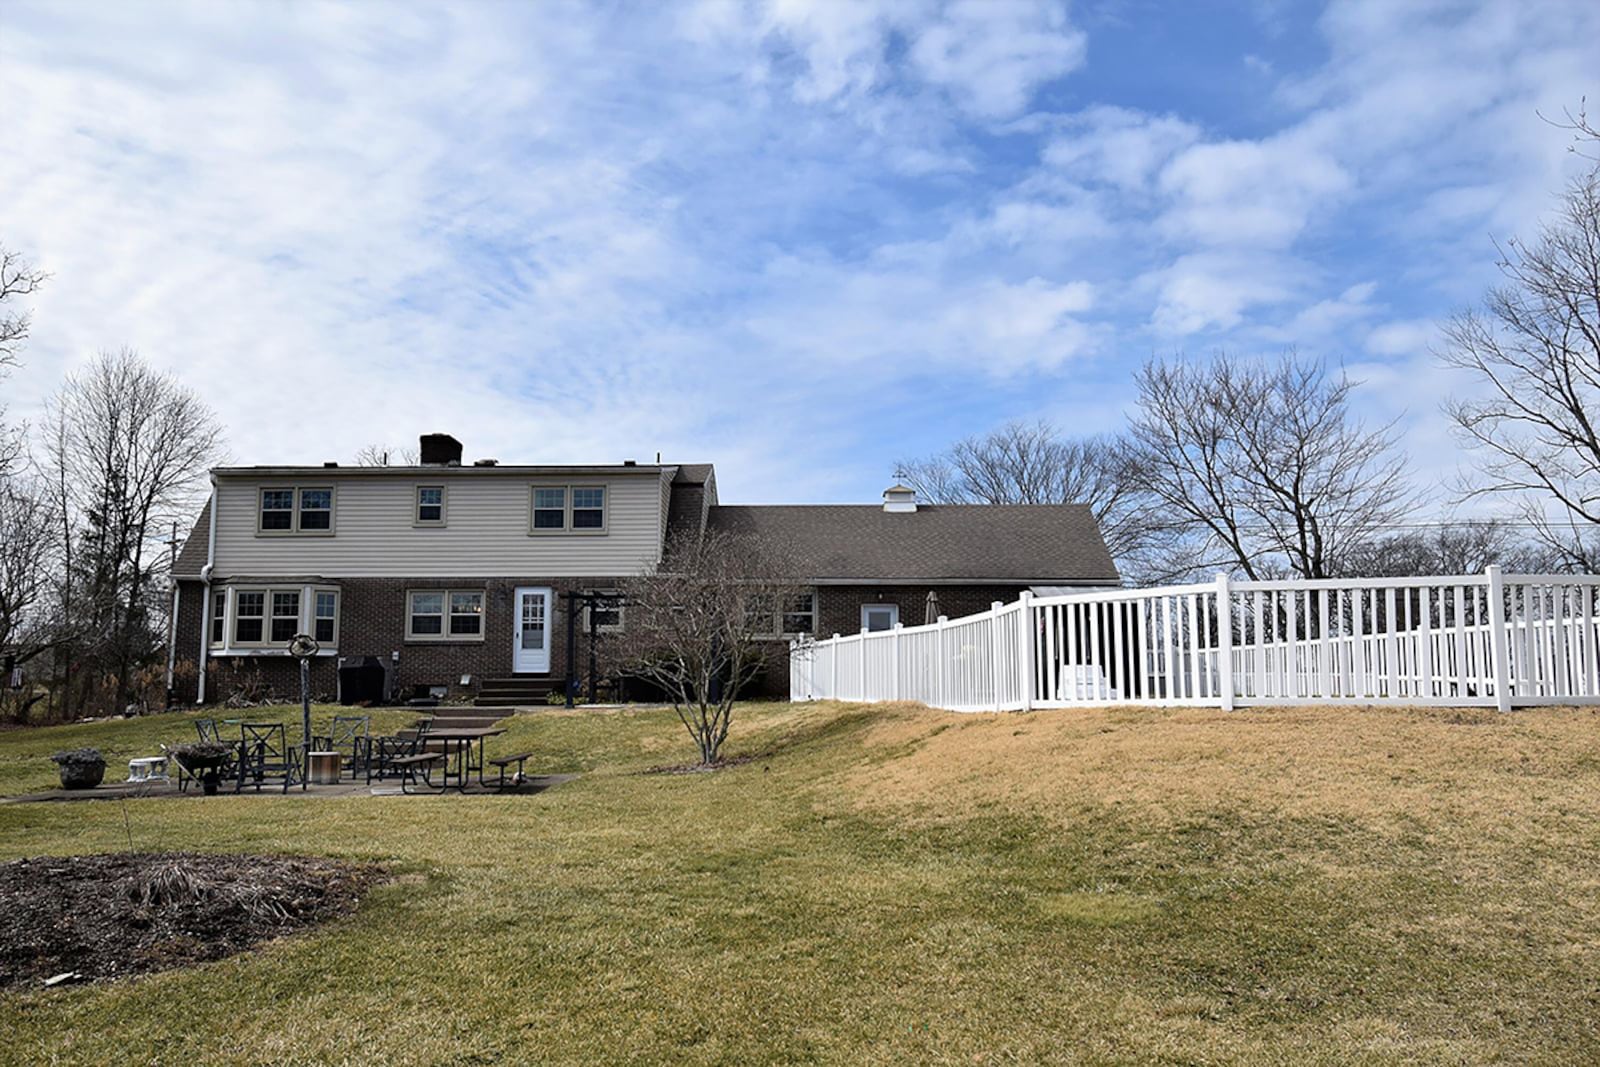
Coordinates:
124 913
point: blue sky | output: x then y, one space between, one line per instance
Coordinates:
801 240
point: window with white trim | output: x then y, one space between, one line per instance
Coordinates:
277 510
876 618
249 616
219 615
444 615
297 509
549 508
466 614
799 614
430 505
588 507
285 615
325 620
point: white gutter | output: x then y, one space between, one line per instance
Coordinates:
205 597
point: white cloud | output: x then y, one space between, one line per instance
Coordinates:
993 54
1402 337
1215 290
1116 145
1251 193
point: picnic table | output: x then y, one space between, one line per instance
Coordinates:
460 739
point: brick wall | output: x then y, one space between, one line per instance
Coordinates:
372 622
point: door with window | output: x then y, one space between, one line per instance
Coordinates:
531 652
876 617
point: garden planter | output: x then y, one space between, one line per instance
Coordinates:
81 768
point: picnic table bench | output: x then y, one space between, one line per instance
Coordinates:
505 761
409 765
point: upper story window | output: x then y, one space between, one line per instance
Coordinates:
430 505
589 507
550 508
301 509
569 509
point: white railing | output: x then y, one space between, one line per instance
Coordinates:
1489 639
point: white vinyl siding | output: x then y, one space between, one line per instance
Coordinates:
488 533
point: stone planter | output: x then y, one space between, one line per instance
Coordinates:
81 768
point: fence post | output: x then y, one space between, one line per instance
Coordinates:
1026 634
894 679
833 670
1497 639
862 671
1225 642
944 666
996 651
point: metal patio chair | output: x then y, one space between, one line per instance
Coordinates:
266 754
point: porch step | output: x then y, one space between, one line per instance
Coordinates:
511 692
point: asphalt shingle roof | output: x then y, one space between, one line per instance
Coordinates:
192 556
1020 542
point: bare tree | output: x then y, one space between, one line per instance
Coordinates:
384 456
701 626
1534 349
1033 463
1464 547
17 281
27 550
127 446
1262 465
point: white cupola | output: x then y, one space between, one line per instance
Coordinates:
899 497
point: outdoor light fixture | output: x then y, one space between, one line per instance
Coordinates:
302 647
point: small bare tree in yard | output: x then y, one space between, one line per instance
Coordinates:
1263 466
1534 349
702 625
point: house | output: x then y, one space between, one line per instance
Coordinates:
452 577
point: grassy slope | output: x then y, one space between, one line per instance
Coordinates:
894 885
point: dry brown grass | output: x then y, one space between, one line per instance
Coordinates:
1470 768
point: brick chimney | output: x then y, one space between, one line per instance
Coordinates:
440 450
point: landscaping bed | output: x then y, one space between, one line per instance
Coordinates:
118 914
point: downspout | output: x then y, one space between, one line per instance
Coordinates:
205 595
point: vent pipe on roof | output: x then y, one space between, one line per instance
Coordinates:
899 498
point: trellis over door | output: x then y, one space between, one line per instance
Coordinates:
530 653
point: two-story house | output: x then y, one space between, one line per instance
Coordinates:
452 574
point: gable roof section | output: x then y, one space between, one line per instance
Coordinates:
945 542
197 549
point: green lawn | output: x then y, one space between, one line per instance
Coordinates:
897 885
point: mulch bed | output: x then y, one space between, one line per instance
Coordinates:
124 913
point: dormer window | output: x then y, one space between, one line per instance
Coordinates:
430 505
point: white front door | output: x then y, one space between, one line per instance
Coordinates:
531 652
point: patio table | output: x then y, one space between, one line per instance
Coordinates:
461 738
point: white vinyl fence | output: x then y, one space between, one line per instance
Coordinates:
1490 639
